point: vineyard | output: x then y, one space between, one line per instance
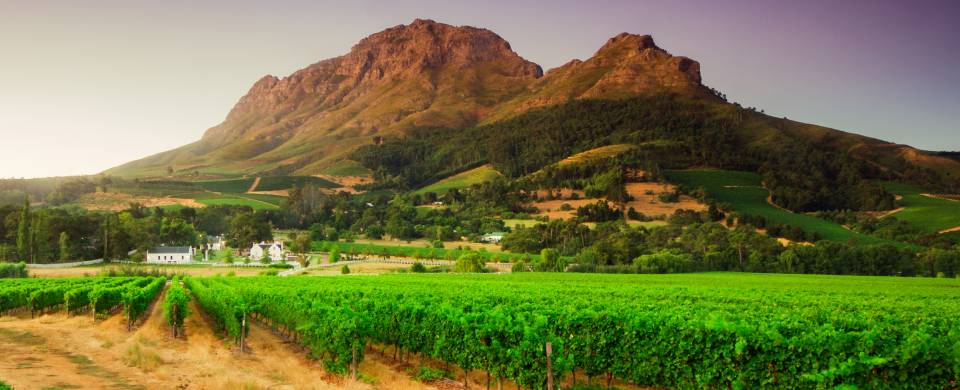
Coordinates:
684 331
96 296
720 330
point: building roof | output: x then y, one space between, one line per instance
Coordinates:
170 249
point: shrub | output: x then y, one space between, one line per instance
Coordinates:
345 269
469 263
429 374
418 268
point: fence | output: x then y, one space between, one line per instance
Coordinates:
66 265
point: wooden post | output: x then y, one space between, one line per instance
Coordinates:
243 328
549 367
353 364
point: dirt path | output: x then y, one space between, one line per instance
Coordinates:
951 198
253 186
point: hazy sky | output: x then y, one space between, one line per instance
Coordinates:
88 85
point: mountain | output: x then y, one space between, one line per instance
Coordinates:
433 75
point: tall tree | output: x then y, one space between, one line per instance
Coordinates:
23 232
64 246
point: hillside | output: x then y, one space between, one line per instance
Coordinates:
429 75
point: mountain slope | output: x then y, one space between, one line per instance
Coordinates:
432 75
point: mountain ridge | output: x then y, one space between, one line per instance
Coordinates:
430 74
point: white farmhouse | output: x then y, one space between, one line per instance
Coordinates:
216 243
492 238
170 255
274 251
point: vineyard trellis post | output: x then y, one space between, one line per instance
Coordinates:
243 327
353 363
549 367
173 324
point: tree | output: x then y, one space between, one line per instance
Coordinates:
265 259
469 263
64 246
247 229
549 259
334 255
23 232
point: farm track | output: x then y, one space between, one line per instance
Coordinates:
253 186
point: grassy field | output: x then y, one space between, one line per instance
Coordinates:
255 201
346 168
927 213
462 180
274 183
227 185
744 193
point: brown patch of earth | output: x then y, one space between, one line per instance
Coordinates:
644 201
118 201
276 192
955 198
348 183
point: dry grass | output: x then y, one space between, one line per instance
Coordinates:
117 201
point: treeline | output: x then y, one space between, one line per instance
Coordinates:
61 234
669 132
711 246
466 213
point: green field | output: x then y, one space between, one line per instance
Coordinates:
255 201
924 212
462 180
346 168
227 185
714 330
744 193
274 183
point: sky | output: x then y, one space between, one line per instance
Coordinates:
85 86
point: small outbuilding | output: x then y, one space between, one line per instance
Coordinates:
170 255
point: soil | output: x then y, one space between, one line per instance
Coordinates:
116 201
645 203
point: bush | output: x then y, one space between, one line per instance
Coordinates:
429 374
469 263
15 270
418 268
345 269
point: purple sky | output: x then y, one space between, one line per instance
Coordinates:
88 85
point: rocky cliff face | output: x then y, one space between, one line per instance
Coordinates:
429 61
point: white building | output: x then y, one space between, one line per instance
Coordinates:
216 243
492 238
274 251
170 255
